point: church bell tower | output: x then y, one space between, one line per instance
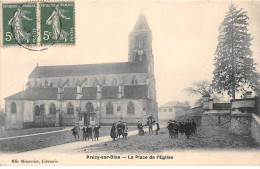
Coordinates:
140 43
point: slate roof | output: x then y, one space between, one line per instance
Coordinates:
141 24
89 93
89 69
221 106
35 94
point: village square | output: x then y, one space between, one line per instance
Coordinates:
113 107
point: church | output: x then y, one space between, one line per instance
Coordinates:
90 93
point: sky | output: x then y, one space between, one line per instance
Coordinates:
184 41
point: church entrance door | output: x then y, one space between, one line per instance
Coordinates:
89 110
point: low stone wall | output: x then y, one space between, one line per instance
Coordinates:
240 123
255 128
216 119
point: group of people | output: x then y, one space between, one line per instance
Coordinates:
118 130
150 124
174 128
87 132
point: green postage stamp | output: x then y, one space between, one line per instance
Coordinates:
57 23
19 24
38 23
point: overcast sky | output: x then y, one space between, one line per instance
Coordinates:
184 42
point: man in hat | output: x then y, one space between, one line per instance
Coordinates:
89 132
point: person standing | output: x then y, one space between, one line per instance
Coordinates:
125 130
84 130
157 128
119 129
150 125
96 131
89 132
75 131
188 128
140 128
193 127
113 132
170 128
181 127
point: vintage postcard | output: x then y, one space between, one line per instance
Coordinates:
144 83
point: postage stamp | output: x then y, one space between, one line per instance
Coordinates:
57 23
19 24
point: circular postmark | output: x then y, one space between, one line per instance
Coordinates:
28 36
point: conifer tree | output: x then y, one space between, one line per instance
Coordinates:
235 68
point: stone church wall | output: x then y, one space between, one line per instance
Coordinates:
14 120
122 113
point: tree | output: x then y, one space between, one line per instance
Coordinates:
234 66
202 88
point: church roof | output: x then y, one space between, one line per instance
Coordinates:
35 94
88 93
89 69
141 24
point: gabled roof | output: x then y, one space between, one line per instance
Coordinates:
89 69
35 94
141 24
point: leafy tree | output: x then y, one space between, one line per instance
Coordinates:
234 68
202 88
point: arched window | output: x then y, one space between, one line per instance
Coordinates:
37 110
52 109
13 107
89 107
109 108
46 83
130 108
70 108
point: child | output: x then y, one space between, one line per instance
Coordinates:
84 133
75 132
157 128
89 132
125 129
96 131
